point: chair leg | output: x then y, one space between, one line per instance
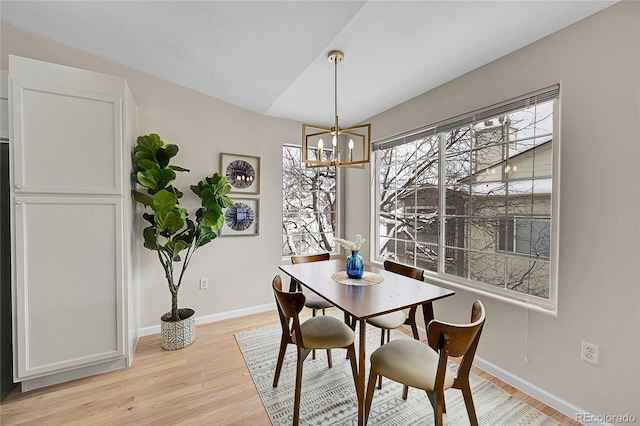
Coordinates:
351 354
296 400
329 358
370 388
414 330
411 320
382 343
283 349
313 353
405 392
437 402
468 402
351 322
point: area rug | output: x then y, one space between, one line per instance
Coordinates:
329 397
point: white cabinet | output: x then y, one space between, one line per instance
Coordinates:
75 287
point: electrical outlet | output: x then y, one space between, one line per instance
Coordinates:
204 283
590 353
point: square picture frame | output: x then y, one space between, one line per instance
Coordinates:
242 172
242 218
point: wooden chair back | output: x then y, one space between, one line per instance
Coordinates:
405 270
289 306
457 340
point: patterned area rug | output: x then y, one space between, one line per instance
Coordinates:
329 397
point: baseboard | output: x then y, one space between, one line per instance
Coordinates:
534 391
73 374
206 319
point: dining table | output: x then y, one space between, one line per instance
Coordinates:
377 293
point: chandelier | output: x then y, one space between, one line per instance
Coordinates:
333 146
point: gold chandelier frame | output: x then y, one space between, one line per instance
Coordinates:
348 147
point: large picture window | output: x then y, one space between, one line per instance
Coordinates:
309 205
470 199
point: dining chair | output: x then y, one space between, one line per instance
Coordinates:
393 320
321 332
313 301
414 364
390 321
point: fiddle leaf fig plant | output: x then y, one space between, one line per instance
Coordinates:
171 232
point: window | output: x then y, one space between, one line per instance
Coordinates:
530 236
470 199
309 205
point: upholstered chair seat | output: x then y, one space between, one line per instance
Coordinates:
315 302
325 332
389 321
416 367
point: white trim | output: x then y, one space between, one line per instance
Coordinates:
532 390
155 329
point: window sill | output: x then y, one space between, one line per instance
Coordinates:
523 304
458 286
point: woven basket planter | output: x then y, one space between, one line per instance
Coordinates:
178 334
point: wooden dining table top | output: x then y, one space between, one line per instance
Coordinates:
394 293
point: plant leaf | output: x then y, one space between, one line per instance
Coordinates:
150 142
169 220
150 239
142 198
164 200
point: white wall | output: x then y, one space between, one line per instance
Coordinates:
596 61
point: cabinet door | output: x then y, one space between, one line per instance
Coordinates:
69 301
66 141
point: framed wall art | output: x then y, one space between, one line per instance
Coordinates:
242 172
241 218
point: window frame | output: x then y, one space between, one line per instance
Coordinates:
546 305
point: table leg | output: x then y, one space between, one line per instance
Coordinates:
361 371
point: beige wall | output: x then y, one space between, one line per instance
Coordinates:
596 61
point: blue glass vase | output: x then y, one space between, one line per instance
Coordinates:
355 265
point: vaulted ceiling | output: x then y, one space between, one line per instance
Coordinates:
271 56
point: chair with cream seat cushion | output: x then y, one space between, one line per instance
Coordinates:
313 301
393 320
390 321
321 332
417 365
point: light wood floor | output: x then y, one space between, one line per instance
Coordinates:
205 384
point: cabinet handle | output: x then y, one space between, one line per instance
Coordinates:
18 186
19 203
